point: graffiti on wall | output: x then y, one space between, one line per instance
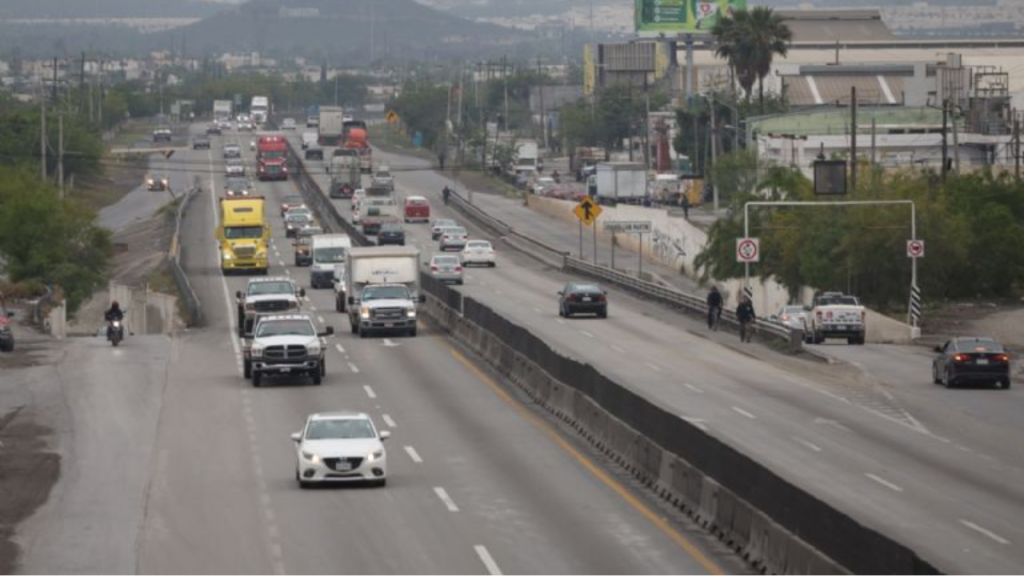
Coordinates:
666 248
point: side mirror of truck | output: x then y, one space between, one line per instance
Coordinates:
423 298
351 301
238 294
296 436
937 348
385 434
328 331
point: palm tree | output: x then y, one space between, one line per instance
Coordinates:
749 42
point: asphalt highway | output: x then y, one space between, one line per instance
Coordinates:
478 482
943 480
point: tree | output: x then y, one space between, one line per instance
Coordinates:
749 42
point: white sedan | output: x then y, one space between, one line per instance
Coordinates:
478 252
340 447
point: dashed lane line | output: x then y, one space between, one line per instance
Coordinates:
389 421
984 532
448 502
369 391
485 557
353 368
743 412
413 454
806 444
884 482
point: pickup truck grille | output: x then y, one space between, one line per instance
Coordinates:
389 314
272 305
285 354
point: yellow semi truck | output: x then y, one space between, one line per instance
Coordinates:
244 234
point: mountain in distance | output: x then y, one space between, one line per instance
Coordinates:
351 30
66 9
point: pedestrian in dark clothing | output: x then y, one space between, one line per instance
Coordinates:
714 307
685 201
746 317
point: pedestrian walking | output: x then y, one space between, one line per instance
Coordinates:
685 201
746 317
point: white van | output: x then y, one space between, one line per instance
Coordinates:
328 251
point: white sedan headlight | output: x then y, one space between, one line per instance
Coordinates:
375 455
314 458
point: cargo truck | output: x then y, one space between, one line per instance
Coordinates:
345 173
313 116
383 287
332 121
619 183
222 110
272 158
243 234
259 109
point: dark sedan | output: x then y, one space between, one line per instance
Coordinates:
971 360
391 233
580 298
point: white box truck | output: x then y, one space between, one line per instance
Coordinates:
327 251
222 110
383 288
332 124
259 109
620 183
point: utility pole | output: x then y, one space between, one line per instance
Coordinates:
945 145
42 139
504 74
874 148
81 84
956 146
714 148
60 152
853 139
543 118
1016 145
54 98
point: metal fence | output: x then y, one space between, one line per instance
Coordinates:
193 305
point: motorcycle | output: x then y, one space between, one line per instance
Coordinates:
115 332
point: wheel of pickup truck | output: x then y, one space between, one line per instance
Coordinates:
323 367
354 327
317 378
817 338
339 304
256 379
362 333
412 332
247 369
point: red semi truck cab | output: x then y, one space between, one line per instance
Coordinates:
272 158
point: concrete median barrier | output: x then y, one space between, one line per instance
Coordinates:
775 525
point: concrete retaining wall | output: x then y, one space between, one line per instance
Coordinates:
147 312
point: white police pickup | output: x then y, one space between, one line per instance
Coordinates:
286 345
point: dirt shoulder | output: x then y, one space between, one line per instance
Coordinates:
1000 320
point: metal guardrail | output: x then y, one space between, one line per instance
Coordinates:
655 291
320 203
192 302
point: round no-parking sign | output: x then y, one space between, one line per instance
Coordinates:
915 248
748 250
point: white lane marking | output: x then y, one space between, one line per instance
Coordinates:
390 343
353 368
281 263
485 557
984 531
693 388
232 324
884 482
446 499
653 367
413 454
587 334
743 412
389 421
538 310
698 422
806 444
287 271
312 308
833 423
340 348
617 349
320 319
559 320
370 392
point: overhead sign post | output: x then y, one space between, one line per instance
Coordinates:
587 212
628 227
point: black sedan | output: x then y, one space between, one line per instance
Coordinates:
582 298
970 360
391 233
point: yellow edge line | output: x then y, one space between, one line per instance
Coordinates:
601 475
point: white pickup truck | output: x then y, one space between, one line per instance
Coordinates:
285 345
836 315
271 295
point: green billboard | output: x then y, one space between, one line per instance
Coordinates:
681 16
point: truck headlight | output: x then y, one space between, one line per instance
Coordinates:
364 313
256 351
228 255
313 349
410 313
314 458
375 455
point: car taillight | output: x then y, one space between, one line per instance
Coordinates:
599 298
458 268
960 358
1001 357
433 268
784 318
571 298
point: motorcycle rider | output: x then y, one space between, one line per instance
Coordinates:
445 194
714 306
113 314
